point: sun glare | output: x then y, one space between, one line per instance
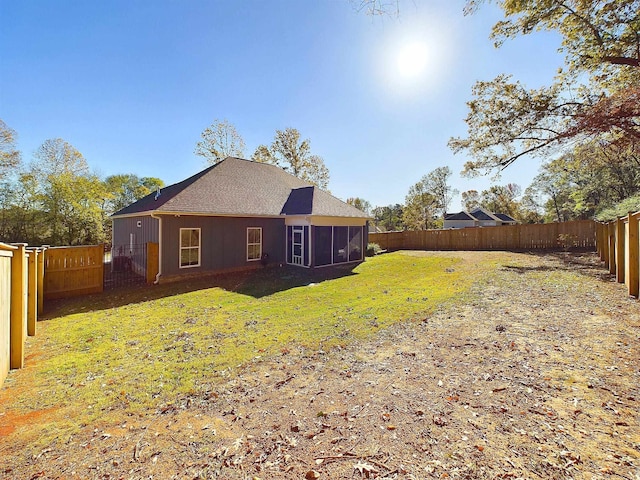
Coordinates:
412 60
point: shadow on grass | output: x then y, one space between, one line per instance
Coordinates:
255 283
582 262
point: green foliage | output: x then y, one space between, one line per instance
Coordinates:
631 204
9 154
507 120
502 199
591 178
389 217
360 203
427 199
373 249
124 189
263 154
294 155
69 196
471 200
58 201
567 241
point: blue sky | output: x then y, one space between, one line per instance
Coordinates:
132 84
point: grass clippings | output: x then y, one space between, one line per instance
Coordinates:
417 365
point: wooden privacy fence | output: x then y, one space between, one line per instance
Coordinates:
618 247
21 298
71 271
547 236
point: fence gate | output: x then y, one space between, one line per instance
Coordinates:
71 271
125 265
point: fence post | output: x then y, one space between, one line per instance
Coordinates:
18 311
611 237
32 293
6 259
605 244
41 278
620 250
633 273
152 262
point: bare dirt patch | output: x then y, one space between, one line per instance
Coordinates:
534 375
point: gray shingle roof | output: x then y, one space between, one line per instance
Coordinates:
481 214
241 187
504 217
458 216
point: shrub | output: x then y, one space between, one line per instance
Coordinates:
373 249
567 241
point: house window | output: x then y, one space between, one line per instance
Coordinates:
189 247
254 243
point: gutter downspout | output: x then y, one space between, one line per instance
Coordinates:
153 215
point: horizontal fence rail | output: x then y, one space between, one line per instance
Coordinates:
547 236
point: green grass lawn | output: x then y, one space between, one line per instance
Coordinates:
141 349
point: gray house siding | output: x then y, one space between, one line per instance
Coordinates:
223 242
143 227
129 240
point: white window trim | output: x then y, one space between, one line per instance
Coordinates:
249 244
190 247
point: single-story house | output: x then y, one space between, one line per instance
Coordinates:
478 217
239 214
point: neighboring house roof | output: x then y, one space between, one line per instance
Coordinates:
458 216
479 214
505 218
483 215
241 187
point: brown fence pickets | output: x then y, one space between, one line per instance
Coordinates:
581 234
72 271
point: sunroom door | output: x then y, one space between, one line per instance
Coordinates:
297 246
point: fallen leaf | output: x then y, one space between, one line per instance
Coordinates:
365 469
312 475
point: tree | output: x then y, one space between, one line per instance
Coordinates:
360 203
428 199
421 207
294 155
389 217
68 194
471 199
9 155
588 179
20 218
377 7
263 154
124 189
530 211
220 140
436 183
502 199
601 40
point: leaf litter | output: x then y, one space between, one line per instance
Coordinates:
536 375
